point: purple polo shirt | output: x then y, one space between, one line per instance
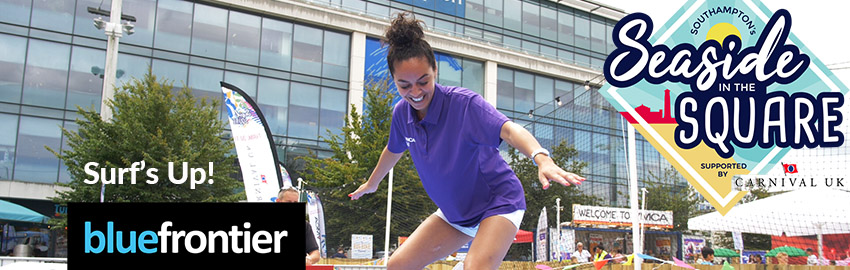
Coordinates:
456 152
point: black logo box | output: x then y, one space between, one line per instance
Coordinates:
203 217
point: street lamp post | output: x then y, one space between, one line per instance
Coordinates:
113 30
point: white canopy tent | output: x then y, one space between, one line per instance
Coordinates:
809 211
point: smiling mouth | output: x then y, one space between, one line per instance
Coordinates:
419 99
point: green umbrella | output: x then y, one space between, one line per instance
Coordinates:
792 251
725 253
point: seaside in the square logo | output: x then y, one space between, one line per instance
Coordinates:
722 89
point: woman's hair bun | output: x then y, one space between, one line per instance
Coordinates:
404 30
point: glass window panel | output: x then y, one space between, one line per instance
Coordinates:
448 69
566 56
564 90
494 12
582 59
273 100
548 23
334 103
596 62
523 92
544 134
16 12
276 45
597 37
473 76
473 32
7 144
505 89
444 26
544 99
64 176
12 64
307 50
609 32
205 82
246 82
531 18
46 74
209 31
33 163
145 13
513 15
548 52
84 86
354 5
173 28
475 10
512 43
378 10
493 37
335 56
304 111
53 15
176 73
131 66
531 47
243 38
582 30
566 27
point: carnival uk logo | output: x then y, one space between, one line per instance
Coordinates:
733 104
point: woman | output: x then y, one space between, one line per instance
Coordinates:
453 137
782 258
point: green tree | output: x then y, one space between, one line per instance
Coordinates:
355 152
153 124
566 157
665 195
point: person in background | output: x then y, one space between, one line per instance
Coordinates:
600 253
782 258
708 256
581 255
699 259
290 195
340 254
618 256
812 258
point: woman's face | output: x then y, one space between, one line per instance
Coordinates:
414 79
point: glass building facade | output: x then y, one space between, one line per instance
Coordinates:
53 57
298 72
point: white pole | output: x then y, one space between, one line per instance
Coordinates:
389 217
633 198
643 208
558 226
820 242
113 32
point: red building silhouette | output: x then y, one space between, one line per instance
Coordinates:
659 117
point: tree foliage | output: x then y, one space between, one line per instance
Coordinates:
153 124
664 194
355 153
566 157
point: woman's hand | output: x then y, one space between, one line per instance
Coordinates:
548 171
365 188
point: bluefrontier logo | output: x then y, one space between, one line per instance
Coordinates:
234 241
190 235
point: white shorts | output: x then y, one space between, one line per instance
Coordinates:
515 217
